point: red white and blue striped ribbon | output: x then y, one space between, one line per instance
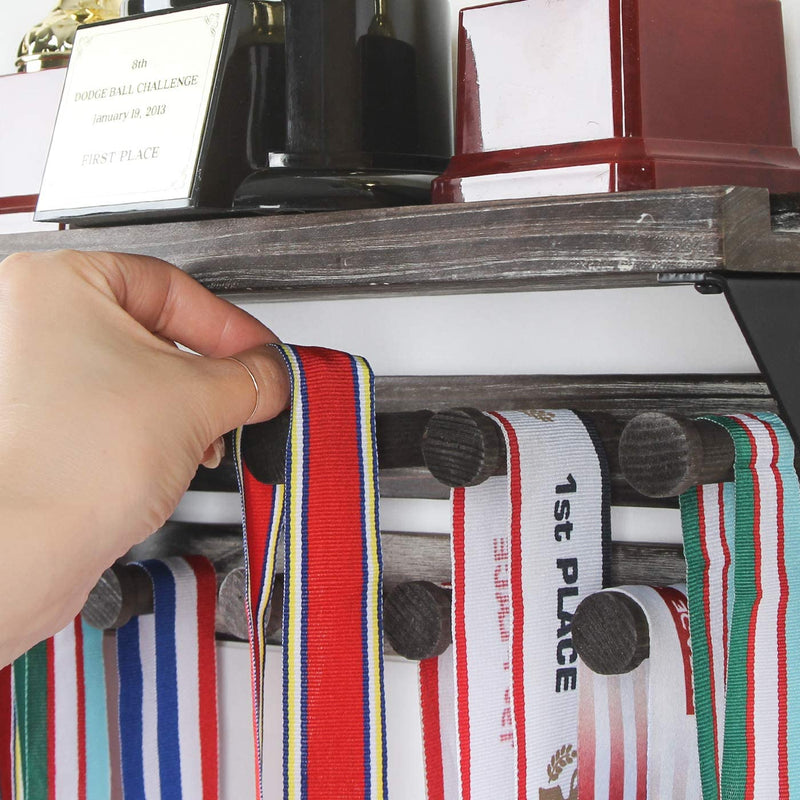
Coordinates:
53 709
168 687
526 549
637 731
333 704
744 596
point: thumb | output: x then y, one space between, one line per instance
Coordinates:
252 386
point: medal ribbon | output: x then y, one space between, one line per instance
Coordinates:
438 716
168 687
637 731
526 549
7 737
743 571
53 709
333 703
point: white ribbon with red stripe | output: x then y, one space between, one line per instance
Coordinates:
526 549
637 731
438 714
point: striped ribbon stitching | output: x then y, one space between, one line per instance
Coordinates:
332 574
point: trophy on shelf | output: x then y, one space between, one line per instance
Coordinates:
194 109
49 44
577 96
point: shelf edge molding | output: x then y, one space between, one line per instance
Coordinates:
586 241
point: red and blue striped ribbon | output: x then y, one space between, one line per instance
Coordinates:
333 702
743 570
167 687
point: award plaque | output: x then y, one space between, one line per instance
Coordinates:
131 124
578 96
243 106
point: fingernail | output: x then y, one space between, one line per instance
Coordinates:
215 454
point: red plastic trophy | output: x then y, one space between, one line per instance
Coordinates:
576 96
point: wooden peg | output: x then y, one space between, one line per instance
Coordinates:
417 614
232 609
123 592
611 633
416 619
463 447
663 455
399 436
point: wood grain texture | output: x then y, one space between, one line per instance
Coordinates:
417 619
621 397
611 633
663 455
407 556
588 241
416 565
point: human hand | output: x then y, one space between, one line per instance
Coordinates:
103 421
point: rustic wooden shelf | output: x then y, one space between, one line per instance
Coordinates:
590 241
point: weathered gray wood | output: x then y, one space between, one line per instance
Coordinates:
123 592
416 619
589 241
407 557
663 455
463 447
232 610
399 438
231 605
422 630
610 633
652 564
621 396
618 396
125 589
754 239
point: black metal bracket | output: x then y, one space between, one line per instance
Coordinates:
766 307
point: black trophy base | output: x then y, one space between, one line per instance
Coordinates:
276 191
284 191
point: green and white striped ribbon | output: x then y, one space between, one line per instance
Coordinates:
742 545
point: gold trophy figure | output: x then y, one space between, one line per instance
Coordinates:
49 44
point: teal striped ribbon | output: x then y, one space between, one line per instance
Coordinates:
742 547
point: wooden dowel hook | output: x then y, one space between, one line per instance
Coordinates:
464 447
663 455
399 436
416 619
231 606
417 614
125 591
611 633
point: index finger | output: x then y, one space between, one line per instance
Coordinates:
170 303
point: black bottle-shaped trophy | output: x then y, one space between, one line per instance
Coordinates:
248 106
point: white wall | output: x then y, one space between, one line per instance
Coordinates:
791 31
641 330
